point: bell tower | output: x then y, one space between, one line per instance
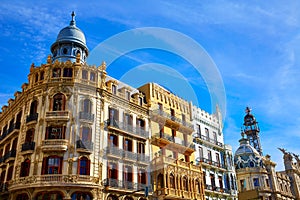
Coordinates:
251 130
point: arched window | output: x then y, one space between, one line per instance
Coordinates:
87 106
160 181
25 167
84 166
185 183
81 196
22 196
56 73
68 72
49 196
58 102
52 165
2 177
33 107
172 181
42 75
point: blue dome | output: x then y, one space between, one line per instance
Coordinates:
69 43
247 156
71 34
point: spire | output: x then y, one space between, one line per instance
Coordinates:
72 22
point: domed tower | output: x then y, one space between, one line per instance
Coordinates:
70 42
251 130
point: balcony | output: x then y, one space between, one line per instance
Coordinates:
173 143
55 145
163 160
86 116
32 117
172 121
9 155
54 179
57 115
202 139
84 146
14 127
129 129
126 155
116 184
208 162
28 147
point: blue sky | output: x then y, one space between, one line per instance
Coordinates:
254 44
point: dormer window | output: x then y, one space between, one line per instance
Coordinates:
140 101
127 95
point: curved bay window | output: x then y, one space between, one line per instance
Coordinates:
52 165
55 132
49 196
25 167
59 101
84 166
68 72
172 181
81 196
160 181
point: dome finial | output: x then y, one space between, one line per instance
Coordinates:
72 22
248 110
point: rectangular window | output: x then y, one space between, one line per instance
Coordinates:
141 148
113 140
113 89
255 182
209 155
127 144
55 132
84 74
243 184
92 76
198 130
218 159
207 134
220 182
68 72
140 101
212 180
200 150
113 117
127 95
267 183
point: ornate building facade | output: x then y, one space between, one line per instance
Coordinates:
74 132
214 156
256 175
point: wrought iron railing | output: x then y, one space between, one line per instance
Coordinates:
86 116
84 145
127 154
10 154
28 146
140 131
32 117
121 184
213 141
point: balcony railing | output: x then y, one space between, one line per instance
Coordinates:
32 117
120 184
162 160
15 126
86 116
210 162
28 146
87 145
55 145
10 154
55 179
115 151
205 138
172 117
63 115
175 140
128 128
